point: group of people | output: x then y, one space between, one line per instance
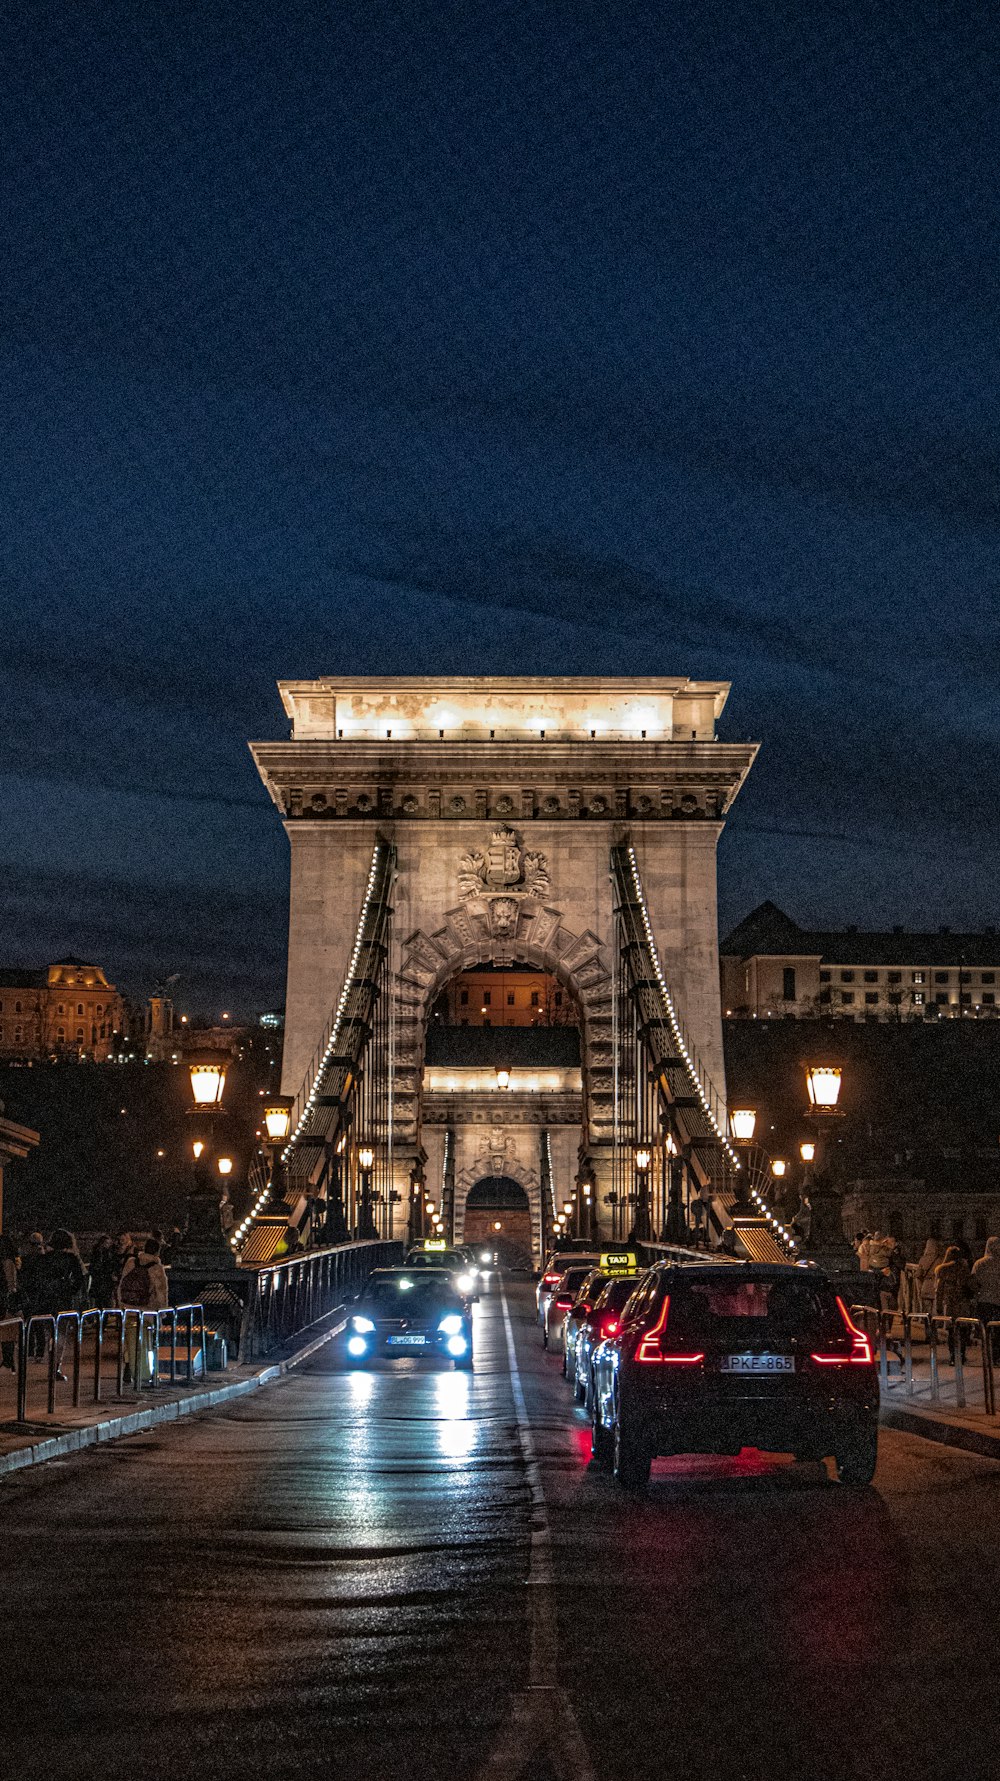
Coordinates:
945 1281
40 1278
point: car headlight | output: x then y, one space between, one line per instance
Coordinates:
363 1325
457 1345
485 1257
357 1346
451 1325
465 1283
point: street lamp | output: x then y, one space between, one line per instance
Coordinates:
225 1166
807 1150
823 1084
640 1229
277 1125
742 1124
197 1148
208 1080
778 1167
503 1077
366 1223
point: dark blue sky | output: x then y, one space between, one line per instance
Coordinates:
492 338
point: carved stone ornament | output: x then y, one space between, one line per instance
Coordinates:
504 866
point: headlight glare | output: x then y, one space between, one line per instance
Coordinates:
451 1325
363 1325
465 1283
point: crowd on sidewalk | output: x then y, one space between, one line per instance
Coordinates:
40 1278
944 1282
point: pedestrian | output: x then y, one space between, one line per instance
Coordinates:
103 1272
933 1252
9 1300
60 1284
986 1285
142 1287
32 1254
952 1288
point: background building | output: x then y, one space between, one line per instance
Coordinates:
772 968
67 1009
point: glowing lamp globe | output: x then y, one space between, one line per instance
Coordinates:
208 1079
823 1083
778 1167
225 1165
503 1077
807 1150
366 1156
642 1160
742 1124
278 1118
197 1148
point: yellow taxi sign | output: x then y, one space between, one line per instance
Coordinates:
435 1243
618 1261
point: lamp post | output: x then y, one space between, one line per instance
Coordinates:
204 1245
277 1125
825 1240
640 1231
367 1232
503 1077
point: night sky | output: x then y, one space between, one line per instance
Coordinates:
497 337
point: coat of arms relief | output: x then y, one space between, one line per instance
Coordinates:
501 878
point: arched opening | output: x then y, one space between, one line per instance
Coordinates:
511 995
498 1219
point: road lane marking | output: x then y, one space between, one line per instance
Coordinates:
542 1722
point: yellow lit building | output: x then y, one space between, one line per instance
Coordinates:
67 1009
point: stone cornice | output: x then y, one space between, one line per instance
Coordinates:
519 780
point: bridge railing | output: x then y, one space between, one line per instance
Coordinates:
129 1339
915 1339
293 1295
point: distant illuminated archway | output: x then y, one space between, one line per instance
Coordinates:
498 1217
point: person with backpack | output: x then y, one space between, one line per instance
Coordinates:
59 1283
142 1287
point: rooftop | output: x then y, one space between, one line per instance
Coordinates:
767 931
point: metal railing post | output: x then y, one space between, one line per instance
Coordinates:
22 1373
989 1374
932 1358
958 1362
883 1351
908 1353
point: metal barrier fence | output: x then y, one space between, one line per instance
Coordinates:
895 1330
289 1296
134 1336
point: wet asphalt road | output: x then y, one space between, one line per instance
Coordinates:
408 1572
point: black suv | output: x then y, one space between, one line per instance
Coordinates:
713 1357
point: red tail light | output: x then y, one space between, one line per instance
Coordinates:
610 1328
861 1348
563 1304
549 1279
650 1347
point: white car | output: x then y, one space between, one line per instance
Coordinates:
554 1269
559 1302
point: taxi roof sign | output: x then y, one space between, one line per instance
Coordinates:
435 1243
618 1261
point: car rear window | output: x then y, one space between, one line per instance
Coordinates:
571 1281
732 1308
617 1293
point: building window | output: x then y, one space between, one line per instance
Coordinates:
918 998
871 997
894 977
965 997
825 976
79 1007
60 1009
79 1035
917 977
510 998
965 976
17 1036
788 983
487 998
824 995
61 1034
847 997
871 976
989 998
17 1007
534 998
941 977
463 998
847 976
942 998
989 977
100 1007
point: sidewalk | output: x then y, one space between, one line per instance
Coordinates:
46 1437
969 1429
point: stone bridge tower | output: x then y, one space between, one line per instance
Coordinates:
502 798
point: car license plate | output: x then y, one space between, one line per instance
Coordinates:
406 1341
758 1363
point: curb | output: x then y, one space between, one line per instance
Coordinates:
135 1421
946 1434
